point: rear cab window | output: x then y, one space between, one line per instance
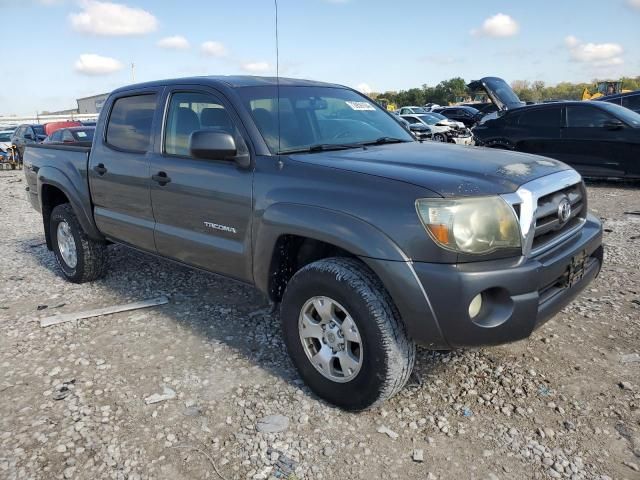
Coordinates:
130 122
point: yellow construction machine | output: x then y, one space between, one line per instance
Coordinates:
606 87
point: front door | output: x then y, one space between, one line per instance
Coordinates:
589 146
119 170
202 208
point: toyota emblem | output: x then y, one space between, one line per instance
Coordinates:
564 210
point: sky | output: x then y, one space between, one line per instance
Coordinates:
60 50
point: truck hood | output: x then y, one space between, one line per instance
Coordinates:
499 91
447 170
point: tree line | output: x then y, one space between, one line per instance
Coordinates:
455 90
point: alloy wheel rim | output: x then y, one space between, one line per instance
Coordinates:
330 339
67 245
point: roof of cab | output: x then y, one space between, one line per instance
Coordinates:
232 81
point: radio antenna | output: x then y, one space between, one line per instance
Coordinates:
277 74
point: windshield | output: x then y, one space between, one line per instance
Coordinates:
429 119
5 136
311 116
628 116
418 110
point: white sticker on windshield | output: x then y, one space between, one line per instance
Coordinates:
360 106
81 134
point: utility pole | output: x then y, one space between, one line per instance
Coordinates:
133 72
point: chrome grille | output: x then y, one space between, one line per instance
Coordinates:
548 227
536 205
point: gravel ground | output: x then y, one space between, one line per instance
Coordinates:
562 404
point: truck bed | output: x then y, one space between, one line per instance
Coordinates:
51 161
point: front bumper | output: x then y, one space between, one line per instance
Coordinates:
520 295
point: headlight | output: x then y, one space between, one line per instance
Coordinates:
476 225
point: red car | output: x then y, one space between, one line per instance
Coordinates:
51 127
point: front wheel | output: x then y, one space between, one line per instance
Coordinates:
438 137
80 258
344 334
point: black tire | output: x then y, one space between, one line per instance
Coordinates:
438 137
91 255
388 353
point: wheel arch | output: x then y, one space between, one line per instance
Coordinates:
55 188
289 236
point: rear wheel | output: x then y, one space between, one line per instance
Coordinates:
344 334
80 258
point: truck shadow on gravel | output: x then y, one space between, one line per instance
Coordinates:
217 309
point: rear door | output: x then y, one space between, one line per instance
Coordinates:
202 207
589 146
119 175
537 130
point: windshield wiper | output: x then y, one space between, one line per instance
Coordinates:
323 147
385 140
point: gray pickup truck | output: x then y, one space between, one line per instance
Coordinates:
369 241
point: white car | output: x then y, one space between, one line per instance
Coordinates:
5 144
447 121
443 130
440 133
411 110
430 106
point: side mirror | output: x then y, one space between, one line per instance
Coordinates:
613 124
214 145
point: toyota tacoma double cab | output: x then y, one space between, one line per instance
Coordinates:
369 241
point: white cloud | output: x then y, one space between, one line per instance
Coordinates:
176 42
256 67
364 88
500 25
634 4
597 54
112 19
213 49
92 64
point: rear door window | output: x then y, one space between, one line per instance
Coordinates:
543 117
632 102
586 117
130 122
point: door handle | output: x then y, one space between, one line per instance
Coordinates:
161 178
100 169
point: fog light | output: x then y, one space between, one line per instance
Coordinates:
475 306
